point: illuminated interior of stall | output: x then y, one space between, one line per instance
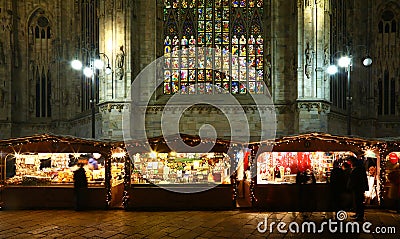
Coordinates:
54 168
283 167
181 168
392 167
371 165
117 166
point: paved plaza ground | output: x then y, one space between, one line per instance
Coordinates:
178 224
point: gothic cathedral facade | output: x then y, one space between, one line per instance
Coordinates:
199 49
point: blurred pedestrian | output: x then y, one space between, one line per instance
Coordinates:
303 178
358 184
347 193
80 187
338 186
394 191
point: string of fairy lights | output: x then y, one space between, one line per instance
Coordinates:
118 150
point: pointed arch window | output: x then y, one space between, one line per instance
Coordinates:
387 27
89 42
40 57
387 83
213 43
387 95
380 27
394 26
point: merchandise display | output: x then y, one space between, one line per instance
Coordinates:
283 167
53 169
392 172
181 168
117 173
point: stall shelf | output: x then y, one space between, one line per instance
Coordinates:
165 177
41 174
279 162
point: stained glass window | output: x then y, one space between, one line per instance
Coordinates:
211 43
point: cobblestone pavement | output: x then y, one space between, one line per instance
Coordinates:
178 224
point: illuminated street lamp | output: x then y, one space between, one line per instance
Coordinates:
346 62
94 64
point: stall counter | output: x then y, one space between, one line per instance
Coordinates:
293 197
50 197
150 196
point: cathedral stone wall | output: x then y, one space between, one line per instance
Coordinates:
298 49
227 122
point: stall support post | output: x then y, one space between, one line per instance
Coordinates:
234 188
108 178
2 168
252 189
382 177
253 176
127 181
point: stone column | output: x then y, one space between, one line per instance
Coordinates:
313 57
116 43
5 77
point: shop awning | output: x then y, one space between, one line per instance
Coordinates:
164 144
314 142
47 143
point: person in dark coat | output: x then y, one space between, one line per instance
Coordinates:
358 184
347 193
80 187
338 185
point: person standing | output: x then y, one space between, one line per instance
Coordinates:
80 187
358 185
347 194
394 191
338 186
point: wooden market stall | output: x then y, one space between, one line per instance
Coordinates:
167 175
390 173
278 163
39 171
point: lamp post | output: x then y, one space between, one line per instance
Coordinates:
94 63
346 62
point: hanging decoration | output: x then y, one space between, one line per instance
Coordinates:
393 158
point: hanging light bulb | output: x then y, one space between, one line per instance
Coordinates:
88 72
76 64
367 61
108 70
98 64
332 69
344 61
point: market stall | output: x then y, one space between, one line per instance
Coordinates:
295 174
39 171
2 179
390 173
162 178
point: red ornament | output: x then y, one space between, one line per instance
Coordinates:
246 161
393 158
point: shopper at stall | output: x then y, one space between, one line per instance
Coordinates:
338 186
80 187
358 184
347 194
93 164
394 191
